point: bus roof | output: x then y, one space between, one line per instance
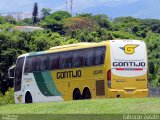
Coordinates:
76 46
73 47
23 55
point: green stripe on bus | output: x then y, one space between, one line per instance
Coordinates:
37 53
50 83
41 84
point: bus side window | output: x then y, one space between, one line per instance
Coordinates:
38 63
53 61
60 61
33 64
77 58
99 55
44 62
30 64
88 57
66 60
27 69
41 62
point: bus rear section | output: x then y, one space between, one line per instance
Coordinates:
128 74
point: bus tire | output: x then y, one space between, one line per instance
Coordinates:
28 98
86 94
77 94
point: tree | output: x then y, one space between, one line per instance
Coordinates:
151 68
10 19
28 21
55 21
84 15
2 20
45 12
102 20
80 23
35 13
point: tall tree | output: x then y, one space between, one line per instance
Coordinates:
35 13
45 12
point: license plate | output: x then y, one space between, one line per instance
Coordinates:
129 91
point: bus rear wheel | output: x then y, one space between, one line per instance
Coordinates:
77 94
86 94
28 98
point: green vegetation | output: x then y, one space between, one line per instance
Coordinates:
8 98
45 12
61 28
99 106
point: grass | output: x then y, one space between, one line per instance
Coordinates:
95 106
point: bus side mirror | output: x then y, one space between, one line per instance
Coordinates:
11 72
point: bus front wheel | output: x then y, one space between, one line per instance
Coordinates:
76 94
28 98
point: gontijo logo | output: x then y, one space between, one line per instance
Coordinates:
129 48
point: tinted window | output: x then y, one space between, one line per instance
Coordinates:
18 74
77 58
99 55
88 57
30 64
65 60
41 62
53 61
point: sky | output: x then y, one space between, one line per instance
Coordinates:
113 8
